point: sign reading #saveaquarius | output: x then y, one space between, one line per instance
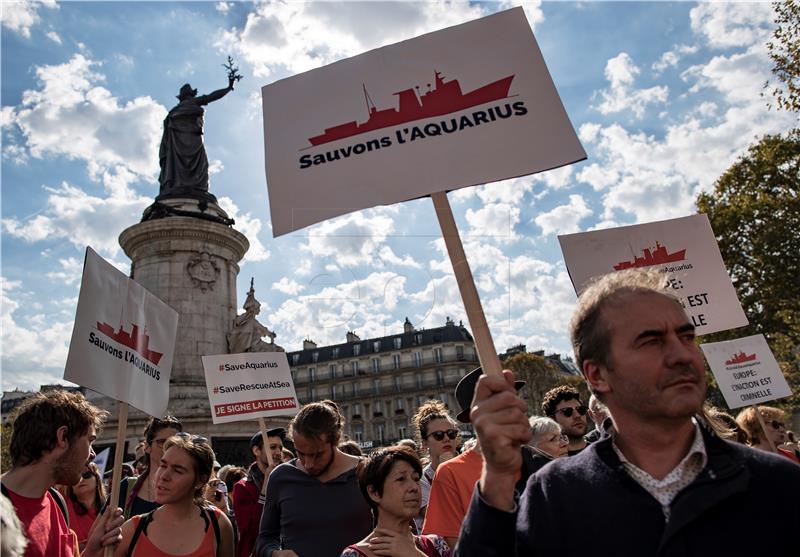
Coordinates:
249 386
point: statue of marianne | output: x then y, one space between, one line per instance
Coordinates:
182 156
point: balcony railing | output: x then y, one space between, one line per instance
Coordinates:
367 392
322 375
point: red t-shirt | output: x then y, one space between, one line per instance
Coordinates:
45 527
80 523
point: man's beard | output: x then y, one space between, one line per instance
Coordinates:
67 470
327 466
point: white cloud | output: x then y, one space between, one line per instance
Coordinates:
21 15
53 36
70 273
671 58
388 256
72 116
564 219
598 176
621 95
555 179
495 220
353 239
224 7
732 24
299 36
510 191
288 286
248 225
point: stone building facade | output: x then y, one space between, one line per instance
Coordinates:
380 382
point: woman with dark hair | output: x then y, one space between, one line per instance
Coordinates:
84 501
182 525
437 433
138 495
389 482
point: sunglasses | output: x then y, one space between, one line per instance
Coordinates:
777 425
87 475
439 435
196 439
567 412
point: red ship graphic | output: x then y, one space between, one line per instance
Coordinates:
136 340
655 257
740 358
445 98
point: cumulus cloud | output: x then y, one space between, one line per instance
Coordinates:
224 7
53 36
70 272
248 225
496 220
732 24
287 286
70 115
353 239
21 16
564 219
671 58
621 95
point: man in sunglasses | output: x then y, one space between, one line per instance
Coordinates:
663 483
563 404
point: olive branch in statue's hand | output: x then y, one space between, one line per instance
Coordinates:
233 72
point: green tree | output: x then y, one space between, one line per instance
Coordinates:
540 375
754 210
784 50
5 439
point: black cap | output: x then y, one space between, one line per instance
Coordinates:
255 440
465 391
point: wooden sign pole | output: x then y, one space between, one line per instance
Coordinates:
265 440
116 475
487 354
764 429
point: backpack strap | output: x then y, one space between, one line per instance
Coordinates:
210 515
144 520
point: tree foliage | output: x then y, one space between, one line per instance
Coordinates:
784 50
754 210
540 375
5 440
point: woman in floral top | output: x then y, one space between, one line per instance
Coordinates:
389 481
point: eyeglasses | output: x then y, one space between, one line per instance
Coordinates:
567 412
777 425
439 435
87 475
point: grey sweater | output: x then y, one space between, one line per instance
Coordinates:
312 518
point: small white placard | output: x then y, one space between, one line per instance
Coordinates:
684 248
249 386
123 339
746 371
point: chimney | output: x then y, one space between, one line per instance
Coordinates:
408 327
352 337
309 344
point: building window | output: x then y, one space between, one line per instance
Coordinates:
354 367
295 359
335 353
444 397
356 349
312 374
401 432
398 343
376 365
460 352
418 359
376 386
376 346
396 383
311 393
315 357
418 338
357 410
378 429
358 433
418 377
333 391
400 404
396 361
332 369
353 389
440 377
437 354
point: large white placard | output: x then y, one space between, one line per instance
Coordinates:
249 386
123 339
746 371
466 105
685 248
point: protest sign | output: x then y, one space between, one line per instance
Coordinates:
466 105
101 460
684 248
123 339
746 371
249 386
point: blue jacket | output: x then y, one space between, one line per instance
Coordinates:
744 502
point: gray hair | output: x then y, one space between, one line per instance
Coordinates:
542 427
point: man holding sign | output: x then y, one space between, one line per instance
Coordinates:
51 443
664 472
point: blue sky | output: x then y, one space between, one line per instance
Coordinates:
664 96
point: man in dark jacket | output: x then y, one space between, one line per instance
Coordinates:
662 484
247 502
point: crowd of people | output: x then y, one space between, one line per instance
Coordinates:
661 464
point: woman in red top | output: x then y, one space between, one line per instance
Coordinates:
182 525
84 501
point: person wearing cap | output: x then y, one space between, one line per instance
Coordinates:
663 483
247 501
455 479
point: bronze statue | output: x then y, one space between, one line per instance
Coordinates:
182 156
